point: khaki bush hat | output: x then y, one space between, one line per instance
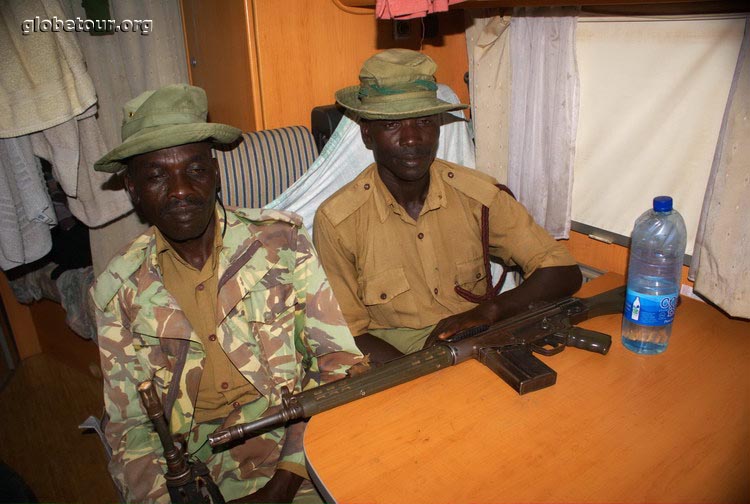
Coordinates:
396 84
167 117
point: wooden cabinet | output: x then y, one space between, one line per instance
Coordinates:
222 59
265 64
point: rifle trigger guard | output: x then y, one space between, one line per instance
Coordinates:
549 345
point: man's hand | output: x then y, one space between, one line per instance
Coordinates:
485 313
545 284
375 349
282 487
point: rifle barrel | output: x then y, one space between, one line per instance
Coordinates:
521 329
330 395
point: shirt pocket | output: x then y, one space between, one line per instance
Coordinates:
471 275
157 356
388 298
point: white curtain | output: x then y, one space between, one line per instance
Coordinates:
544 104
654 90
721 263
488 49
543 113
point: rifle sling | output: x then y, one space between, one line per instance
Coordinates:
491 291
174 385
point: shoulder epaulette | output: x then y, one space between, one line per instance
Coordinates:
349 198
120 268
262 216
472 183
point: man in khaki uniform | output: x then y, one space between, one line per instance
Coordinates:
402 243
220 309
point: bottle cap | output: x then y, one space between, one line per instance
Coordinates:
663 204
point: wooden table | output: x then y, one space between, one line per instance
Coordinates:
623 427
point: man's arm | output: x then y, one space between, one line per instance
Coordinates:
328 352
377 350
545 284
549 269
135 464
339 266
324 329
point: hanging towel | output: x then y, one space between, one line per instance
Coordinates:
26 210
43 81
72 148
409 9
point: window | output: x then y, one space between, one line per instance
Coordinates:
653 93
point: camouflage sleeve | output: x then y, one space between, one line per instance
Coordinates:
322 332
342 273
136 453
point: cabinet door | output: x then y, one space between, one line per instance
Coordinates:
221 55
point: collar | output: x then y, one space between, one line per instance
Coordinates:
385 203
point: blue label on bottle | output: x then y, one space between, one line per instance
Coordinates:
648 310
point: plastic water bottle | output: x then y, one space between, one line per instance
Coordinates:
657 248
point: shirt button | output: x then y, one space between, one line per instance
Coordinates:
236 405
201 287
450 174
479 275
367 187
268 317
420 235
212 337
435 291
224 385
383 296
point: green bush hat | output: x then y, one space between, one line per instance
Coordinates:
167 117
396 84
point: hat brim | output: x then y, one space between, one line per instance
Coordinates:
162 137
403 109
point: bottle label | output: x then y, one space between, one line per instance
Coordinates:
648 310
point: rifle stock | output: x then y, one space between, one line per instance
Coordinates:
505 347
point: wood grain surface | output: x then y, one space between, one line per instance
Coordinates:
623 427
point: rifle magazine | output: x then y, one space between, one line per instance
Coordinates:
519 368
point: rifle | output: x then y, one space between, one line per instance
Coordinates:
506 347
187 482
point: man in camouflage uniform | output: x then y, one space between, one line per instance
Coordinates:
405 243
220 309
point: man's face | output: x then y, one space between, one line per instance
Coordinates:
175 189
405 148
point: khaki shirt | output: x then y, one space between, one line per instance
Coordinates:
222 387
390 271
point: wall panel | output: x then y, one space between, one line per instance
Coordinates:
221 56
308 49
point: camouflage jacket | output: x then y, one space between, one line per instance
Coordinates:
278 322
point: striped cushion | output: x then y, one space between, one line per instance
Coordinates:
264 163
